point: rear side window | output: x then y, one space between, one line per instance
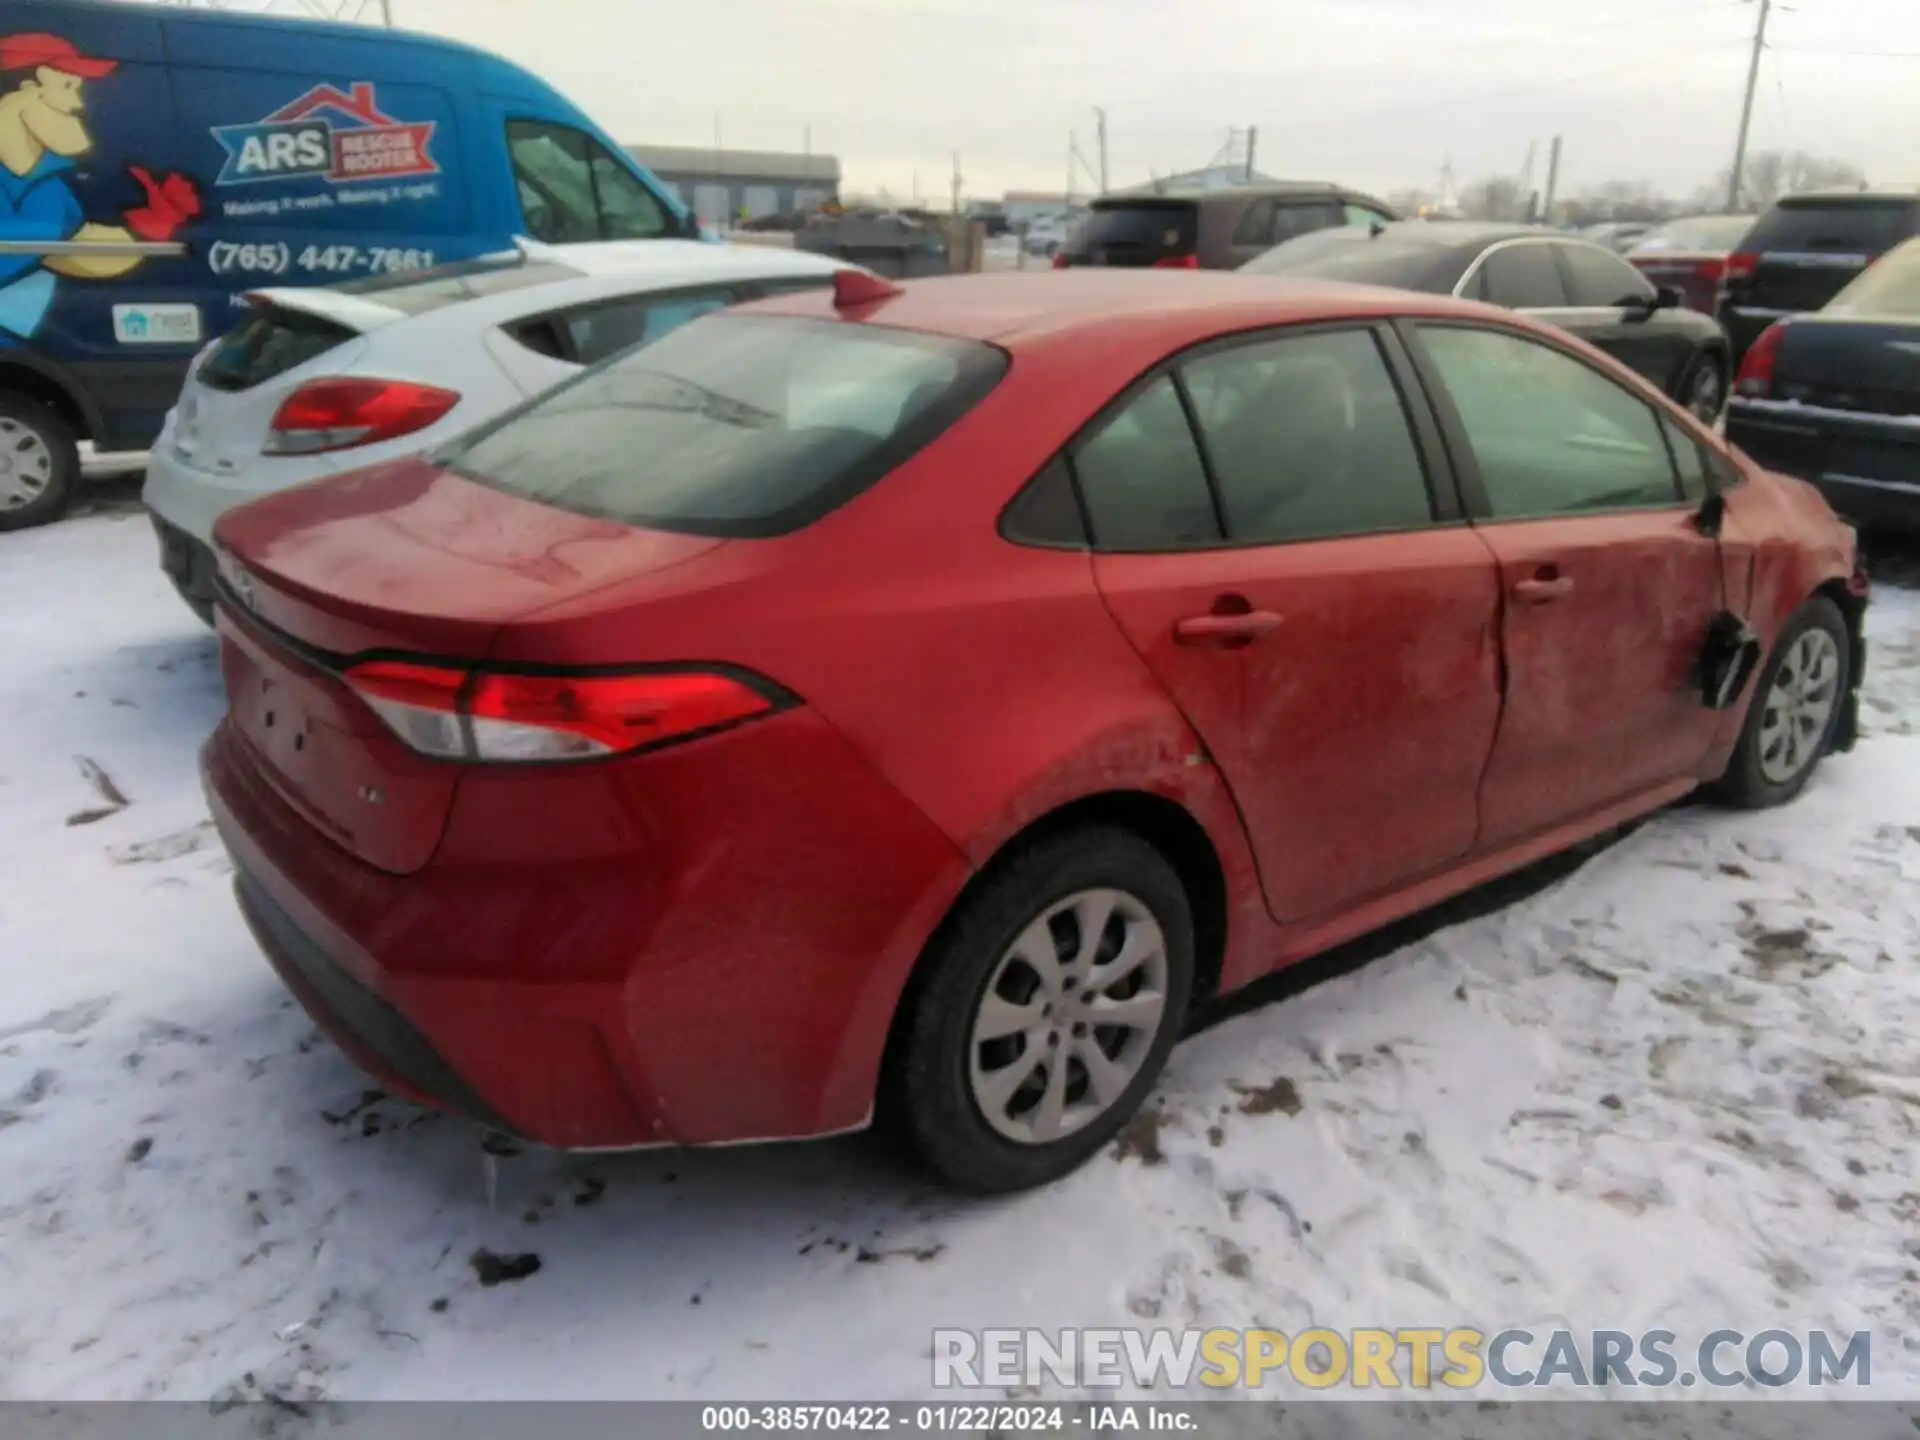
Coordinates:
1153 228
1141 477
1256 224
417 292
1841 227
572 188
734 425
1601 279
1523 277
600 332
269 342
1303 218
1308 439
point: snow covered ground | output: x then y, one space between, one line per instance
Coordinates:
1677 1086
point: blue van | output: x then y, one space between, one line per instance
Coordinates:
157 163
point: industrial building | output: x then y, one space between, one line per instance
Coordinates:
725 187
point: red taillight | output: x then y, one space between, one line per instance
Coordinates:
341 412
504 716
1178 262
1755 379
1060 260
1741 264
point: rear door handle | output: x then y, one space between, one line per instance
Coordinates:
1541 589
1203 629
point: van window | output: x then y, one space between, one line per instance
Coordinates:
573 189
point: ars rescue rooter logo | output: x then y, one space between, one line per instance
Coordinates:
327 134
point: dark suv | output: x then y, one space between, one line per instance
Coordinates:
1217 229
1805 250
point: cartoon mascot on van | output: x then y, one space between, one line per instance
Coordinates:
42 134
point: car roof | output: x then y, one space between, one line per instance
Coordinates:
1868 196
1221 194
1157 310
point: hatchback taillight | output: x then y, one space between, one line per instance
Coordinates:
340 412
1741 264
504 717
1178 262
1060 261
1755 379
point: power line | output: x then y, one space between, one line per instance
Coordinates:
1853 54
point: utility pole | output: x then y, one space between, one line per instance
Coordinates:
1101 116
956 184
1253 133
1073 156
1553 180
386 13
1746 110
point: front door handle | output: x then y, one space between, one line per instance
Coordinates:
1542 588
1225 629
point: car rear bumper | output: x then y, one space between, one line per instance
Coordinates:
684 947
1867 466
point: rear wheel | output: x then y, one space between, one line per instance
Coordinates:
39 464
1044 1012
1704 391
1794 712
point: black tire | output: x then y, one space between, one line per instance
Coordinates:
1708 370
926 1098
17 412
1745 785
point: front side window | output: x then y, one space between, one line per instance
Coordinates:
1308 439
1601 279
1551 436
1523 277
1689 460
572 189
734 425
1362 215
1142 479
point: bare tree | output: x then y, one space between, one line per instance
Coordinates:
1773 173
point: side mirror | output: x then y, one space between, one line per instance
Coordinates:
1668 298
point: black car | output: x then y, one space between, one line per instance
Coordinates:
1834 397
1805 250
1563 279
1218 229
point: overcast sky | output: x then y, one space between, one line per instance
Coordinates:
1373 93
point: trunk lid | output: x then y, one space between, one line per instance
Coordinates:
288 337
403 558
1808 249
1863 363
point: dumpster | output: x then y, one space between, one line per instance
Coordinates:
888 245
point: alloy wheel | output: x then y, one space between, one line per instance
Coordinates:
1068 1017
1799 705
26 464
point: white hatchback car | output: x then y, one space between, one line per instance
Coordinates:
313 382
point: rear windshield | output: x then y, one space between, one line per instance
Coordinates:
268 342
1712 233
1890 286
1844 227
415 292
732 425
1169 226
1352 253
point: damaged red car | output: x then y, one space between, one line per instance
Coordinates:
909 704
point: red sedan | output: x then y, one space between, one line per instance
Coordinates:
915 702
